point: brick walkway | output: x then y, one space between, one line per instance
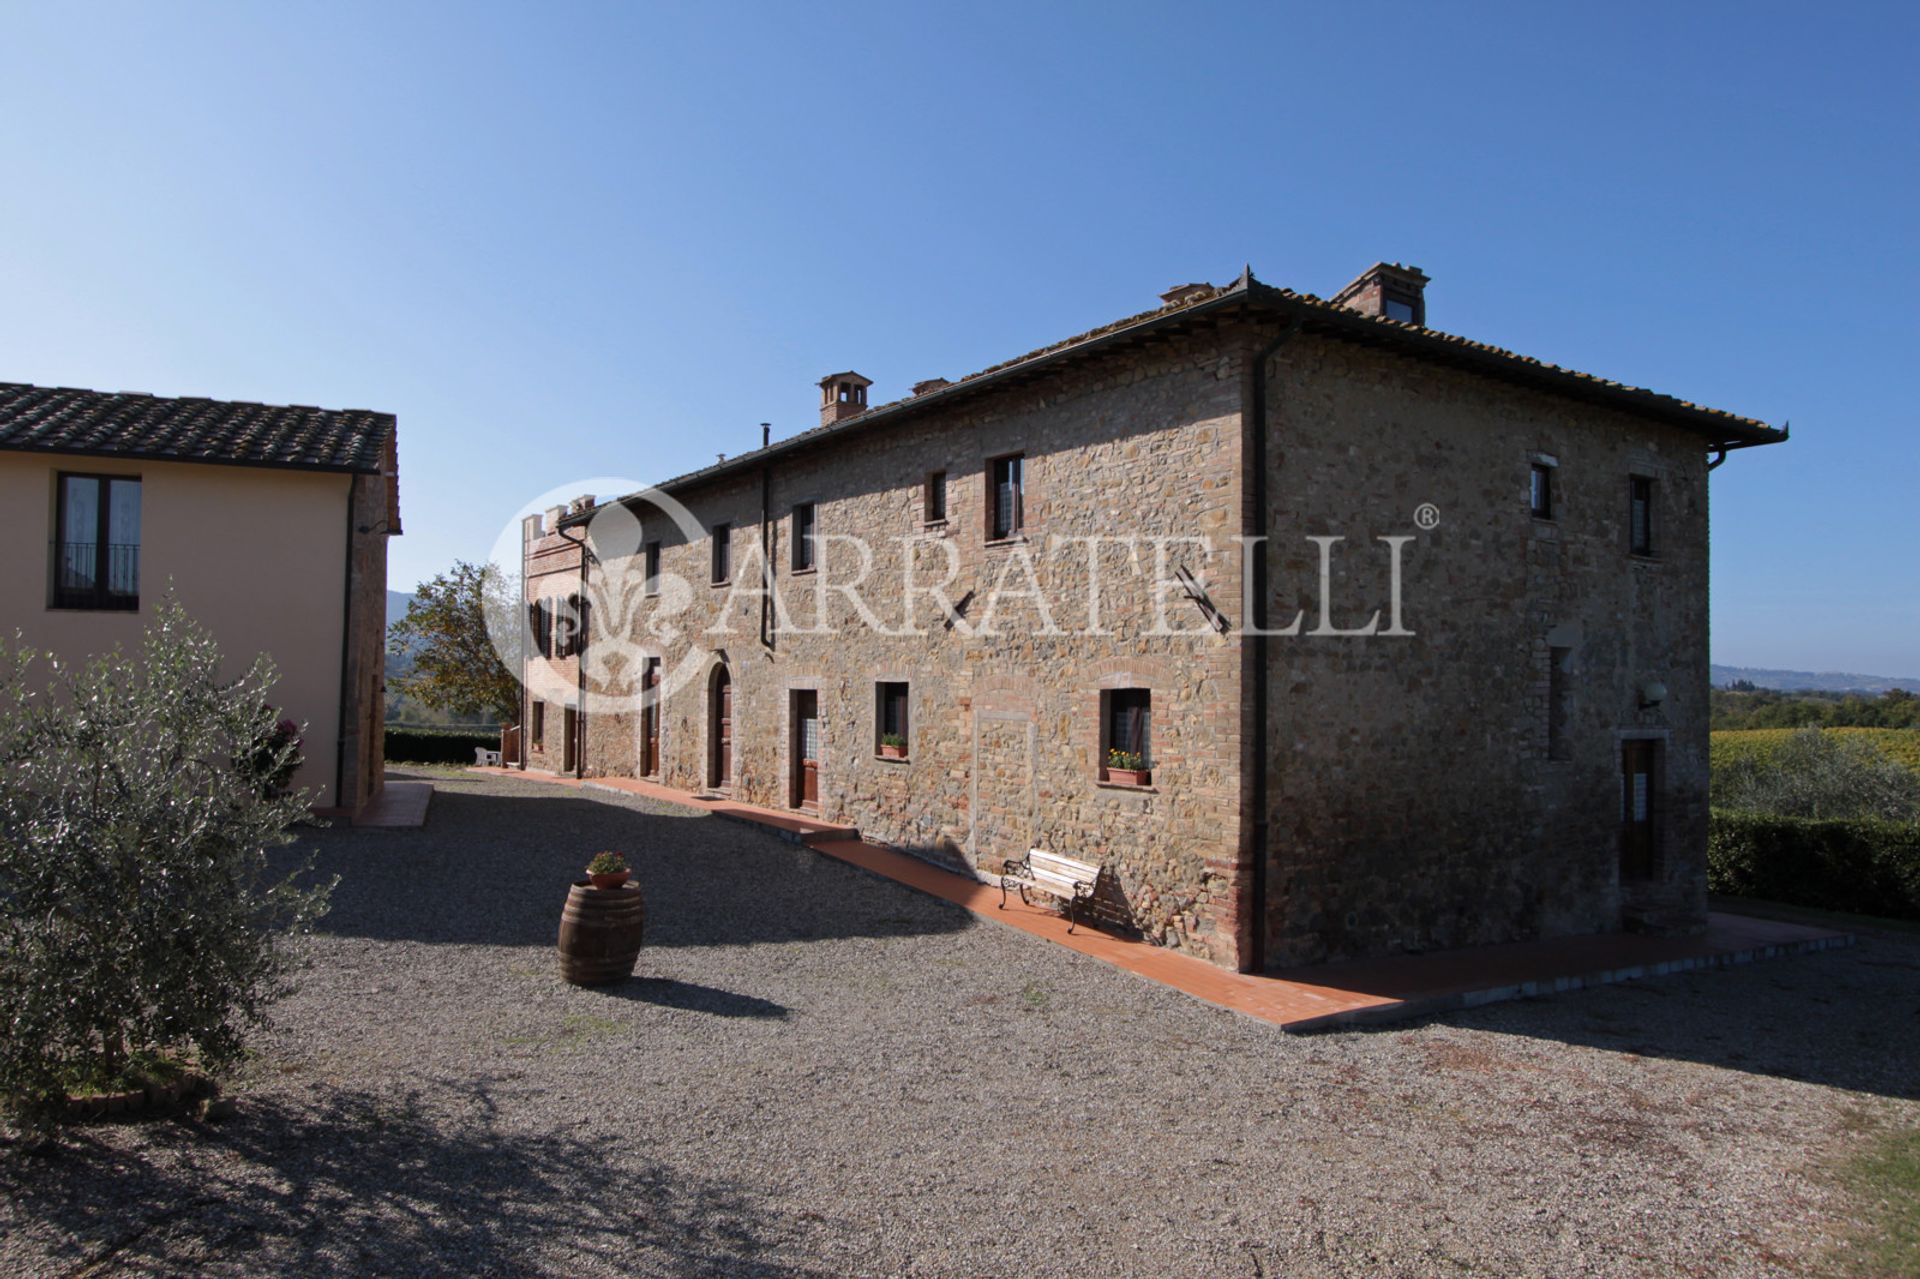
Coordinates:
1300 999
400 805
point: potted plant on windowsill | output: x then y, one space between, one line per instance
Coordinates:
608 870
1127 768
893 746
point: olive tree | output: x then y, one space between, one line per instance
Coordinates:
1814 773
140 916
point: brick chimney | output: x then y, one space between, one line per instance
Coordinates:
930 385
842 395
1388 290
1181 294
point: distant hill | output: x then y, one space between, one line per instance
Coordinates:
397 602
1810 681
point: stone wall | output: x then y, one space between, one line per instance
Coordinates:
1413 804
363 717
1412 801
1005 735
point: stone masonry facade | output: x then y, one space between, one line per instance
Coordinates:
1457 782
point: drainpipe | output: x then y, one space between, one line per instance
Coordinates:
766 542
1254 904
1721 450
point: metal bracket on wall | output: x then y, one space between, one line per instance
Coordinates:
1190 587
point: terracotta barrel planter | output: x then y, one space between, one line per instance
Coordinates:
600 932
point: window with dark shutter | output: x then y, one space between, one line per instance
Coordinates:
1006 514
934 498
803 529
1541 493
1126 729
1557 703
1640 514
542 632
890 715
722 554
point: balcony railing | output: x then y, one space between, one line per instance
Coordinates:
89 575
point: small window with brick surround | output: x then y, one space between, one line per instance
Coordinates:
1557 748
804 517
1640 514
892 735
1540 491
722 554
1408 308
1006 497
653 568
1126 732
933 499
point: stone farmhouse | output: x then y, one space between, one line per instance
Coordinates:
269 525
1402 637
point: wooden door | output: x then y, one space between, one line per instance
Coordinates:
722 767
570 743
805 736
650 720
1640 807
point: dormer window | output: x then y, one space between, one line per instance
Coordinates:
1404 307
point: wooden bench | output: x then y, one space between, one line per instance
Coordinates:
1063 877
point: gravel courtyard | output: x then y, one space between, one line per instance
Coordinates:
822 1073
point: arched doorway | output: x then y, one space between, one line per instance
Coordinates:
720 728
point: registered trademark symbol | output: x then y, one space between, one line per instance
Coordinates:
1426 515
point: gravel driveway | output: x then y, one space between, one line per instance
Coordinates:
823 1073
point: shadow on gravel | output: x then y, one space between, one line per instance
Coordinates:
664 992
1845 1019
354 1184
493 869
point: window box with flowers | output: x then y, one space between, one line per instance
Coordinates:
1128 768
893 746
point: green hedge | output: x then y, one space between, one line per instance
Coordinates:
1862 867
438 745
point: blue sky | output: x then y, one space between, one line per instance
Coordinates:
589 239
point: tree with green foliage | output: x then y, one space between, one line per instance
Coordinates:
456 666
141 923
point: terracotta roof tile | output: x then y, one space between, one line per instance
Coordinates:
129 424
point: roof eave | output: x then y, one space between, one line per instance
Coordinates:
148 455
1230 297
1720 430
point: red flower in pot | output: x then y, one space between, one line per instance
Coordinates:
608 870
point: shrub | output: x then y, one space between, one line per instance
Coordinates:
438 745
139 919
1865 867
1815 773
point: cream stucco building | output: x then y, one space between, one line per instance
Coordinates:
267 523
